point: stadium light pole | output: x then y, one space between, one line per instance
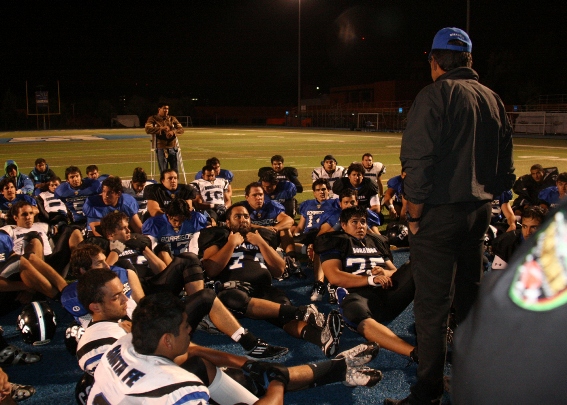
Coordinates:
468 16
299 62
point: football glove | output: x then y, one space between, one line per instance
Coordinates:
117 246
262 373
229 285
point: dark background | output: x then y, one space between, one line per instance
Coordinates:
245 52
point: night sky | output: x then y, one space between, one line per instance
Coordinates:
245 52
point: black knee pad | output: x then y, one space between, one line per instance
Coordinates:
235 300
198 305
191 267
354 311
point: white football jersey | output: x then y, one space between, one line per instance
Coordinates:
96 340
212 193
124 376
377 170
17 234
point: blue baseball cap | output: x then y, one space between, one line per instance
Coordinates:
442 38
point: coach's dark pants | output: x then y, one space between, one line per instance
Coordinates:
446 249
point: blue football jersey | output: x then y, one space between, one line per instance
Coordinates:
74 199
159 228
267 214
95 209
313 210
70 300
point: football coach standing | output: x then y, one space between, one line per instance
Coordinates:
164 129
457 154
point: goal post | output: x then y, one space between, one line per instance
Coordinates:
41 101
370 121
530 122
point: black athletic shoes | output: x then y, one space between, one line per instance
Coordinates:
331 333
265 351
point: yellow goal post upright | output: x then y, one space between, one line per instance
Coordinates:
42 104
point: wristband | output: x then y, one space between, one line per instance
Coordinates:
371 282
391 206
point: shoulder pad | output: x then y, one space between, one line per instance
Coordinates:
336 240
150 190
152 225
290 171
370 185
212 236
269 237
382 244
187 191
263 170
339 185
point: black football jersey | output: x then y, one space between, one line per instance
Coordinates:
246 263
366 190
357 255
163 196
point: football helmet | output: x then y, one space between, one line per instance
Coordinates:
83 388
397 235
37 323
72 335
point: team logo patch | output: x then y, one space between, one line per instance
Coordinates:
540 283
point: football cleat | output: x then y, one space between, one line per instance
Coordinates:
332 293
312 315
293 268
360 355
331 333
317 291
265 351
362 377
208 326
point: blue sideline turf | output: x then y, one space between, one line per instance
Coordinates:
56 375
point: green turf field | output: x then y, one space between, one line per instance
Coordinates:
242 150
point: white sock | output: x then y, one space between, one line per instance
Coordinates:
238 334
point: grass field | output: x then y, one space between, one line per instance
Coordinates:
242 150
